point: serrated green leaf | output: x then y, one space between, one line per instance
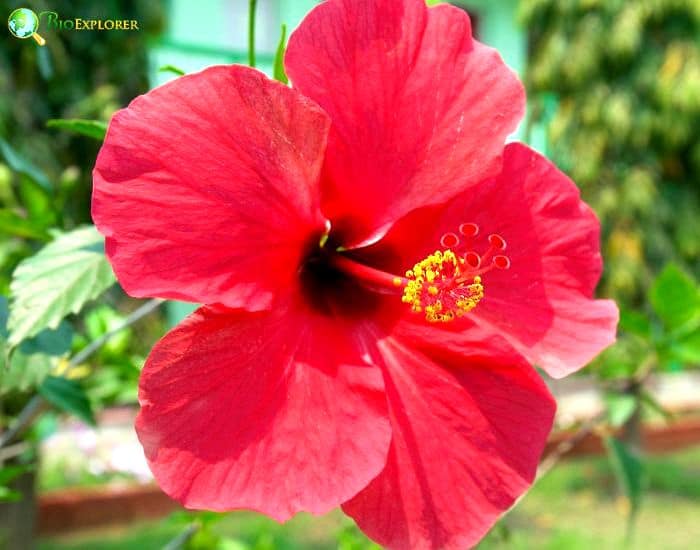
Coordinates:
67 395
95 129
36 358
629 471
57 281
171 69
33 360
674 297
22 166
279 72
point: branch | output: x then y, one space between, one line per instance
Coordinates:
134 316
30 411
564 447
37 405
12 451
567 444
183 538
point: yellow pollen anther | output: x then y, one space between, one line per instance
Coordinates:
397 281
440 286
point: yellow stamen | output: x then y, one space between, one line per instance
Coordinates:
439 285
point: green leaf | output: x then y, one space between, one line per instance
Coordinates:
687 348
8 495
102 320
629 471
635 323
33 360
14 225
69 396
674 297
36 358
620 408
171 69
22 166
38 202
95 129
57 281
7 475
279 72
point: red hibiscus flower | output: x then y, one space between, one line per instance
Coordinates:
379 274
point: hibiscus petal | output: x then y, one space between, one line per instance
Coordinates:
275 411
207 188
468 432
542 305
420 110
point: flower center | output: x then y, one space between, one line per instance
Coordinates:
445 285
448 283
436 286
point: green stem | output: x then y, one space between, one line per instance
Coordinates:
251 32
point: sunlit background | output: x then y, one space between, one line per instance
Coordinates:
614 99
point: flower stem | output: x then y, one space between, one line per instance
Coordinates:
251 32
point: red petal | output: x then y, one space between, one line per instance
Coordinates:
273 411
542 305
420 110
468 432
207 187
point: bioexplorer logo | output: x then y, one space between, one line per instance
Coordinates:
24 23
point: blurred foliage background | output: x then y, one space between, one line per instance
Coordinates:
617 84
45 179
46 174
613 85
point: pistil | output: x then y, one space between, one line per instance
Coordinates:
367 274
443 286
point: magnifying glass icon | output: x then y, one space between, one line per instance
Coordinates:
24 23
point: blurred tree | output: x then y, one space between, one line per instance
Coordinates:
45 184
617 85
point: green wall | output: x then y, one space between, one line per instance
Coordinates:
208 32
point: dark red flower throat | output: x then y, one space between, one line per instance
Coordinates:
445 285
335 284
